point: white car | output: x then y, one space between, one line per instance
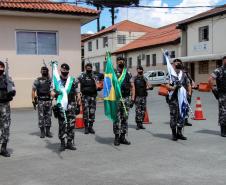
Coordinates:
156 77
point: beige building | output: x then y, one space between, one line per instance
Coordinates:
203 42
31 33
147 49
111 39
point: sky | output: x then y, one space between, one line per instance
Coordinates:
153 17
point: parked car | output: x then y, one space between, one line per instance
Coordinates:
156 77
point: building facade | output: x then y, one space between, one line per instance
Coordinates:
29 35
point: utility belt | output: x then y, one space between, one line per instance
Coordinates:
58 112
44 98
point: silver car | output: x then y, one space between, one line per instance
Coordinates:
156 77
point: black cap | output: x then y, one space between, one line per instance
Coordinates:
65 66
2 64
44 68
177 60
224 57
140 67
121 58
89 65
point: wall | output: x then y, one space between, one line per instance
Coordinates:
25 68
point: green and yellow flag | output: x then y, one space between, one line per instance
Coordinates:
111 90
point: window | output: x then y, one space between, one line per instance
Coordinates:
130 62
97 44
138 61
36 43
203 33
160 73
105 42
153 59
121 39
90 46
97 66
153 74
172 54
148 62
203 67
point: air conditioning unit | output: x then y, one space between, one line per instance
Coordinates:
143 57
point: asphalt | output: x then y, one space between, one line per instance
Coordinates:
152 158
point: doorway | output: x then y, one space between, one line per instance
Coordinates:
192 67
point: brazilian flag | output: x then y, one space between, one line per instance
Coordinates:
111 90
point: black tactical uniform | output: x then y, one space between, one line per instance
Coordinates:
42 87
5 113
140 83
220 75
89 93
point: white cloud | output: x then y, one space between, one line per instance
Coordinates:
89 32
160 17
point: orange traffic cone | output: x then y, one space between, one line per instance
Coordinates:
79 122
198 110
146 118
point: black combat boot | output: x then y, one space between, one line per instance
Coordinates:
42 135
223 131
141 126
174 134
179 134
4 151
116 141
91 130
123 140
138 126
70 145
48 133
186 123
62 145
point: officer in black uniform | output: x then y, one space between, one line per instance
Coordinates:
219 75
41 97
120 126
88 89
66 129
5 112
141 86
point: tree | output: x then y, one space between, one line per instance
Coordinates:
113 4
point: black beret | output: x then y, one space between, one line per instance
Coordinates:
43 68
2 64
65 66
177 60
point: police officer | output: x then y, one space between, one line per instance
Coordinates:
120 127
5 119
41 96
88 89
141 86
176 123
66 129
219 75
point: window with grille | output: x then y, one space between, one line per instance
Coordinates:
148 62
105 42
97 44
138 61
130 62
121 39
203 67
203 33
36 43
90 46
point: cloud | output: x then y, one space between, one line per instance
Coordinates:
90 32
160 17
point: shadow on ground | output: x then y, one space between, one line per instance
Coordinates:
212 132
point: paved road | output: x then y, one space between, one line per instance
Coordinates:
152 159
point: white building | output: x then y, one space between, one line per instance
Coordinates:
203 42
111 39
147 49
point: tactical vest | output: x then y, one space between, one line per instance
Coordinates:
221 81
126 85
140 86
88 85
3 90
43 89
